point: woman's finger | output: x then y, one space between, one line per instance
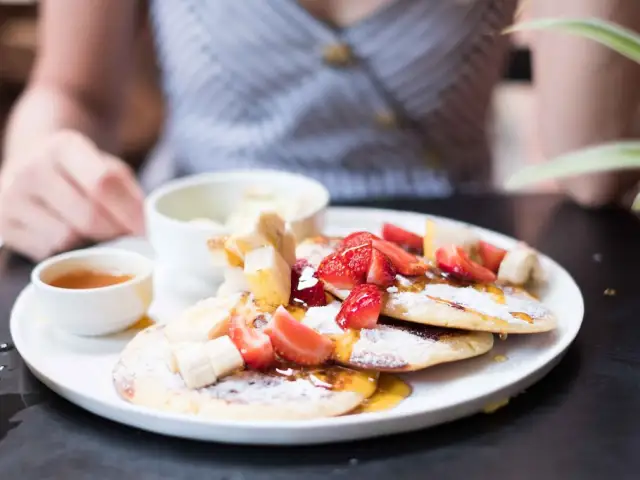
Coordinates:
86 217
107 181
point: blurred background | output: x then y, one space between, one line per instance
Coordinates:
513 104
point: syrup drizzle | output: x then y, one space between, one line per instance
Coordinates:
436 277
144 322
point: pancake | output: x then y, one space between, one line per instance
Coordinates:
142 377
396 347
436 300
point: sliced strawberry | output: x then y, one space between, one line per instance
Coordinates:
381 271
296 342
361 308
406 263
356 239
254 345
334 271
305 286
454 260
402 237
491 255
357 259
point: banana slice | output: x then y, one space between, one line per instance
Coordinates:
225 358
268 275
206 320
267 228
520 265
439 234
194 365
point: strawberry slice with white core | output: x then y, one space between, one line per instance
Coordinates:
491 255
361 309
455 261
381 271
296 342
402 237
254 345
406 263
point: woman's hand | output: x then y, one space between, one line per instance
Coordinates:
64 192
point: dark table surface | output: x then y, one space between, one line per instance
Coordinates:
581 421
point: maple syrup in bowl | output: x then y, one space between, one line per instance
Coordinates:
93 292
85 278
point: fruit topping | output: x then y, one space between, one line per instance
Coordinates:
490 255
306 288
357 239
268 276
334 271
455 261
406 263
361 308
381 271
521 265
440 234
402 237
357 258
296 342
254 345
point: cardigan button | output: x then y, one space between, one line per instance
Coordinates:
337 55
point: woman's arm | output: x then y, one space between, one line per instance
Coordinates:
586 93
78 81
60 185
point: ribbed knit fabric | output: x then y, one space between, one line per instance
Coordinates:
253 84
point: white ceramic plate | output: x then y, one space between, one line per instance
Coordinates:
80 369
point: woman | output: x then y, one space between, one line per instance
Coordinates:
373 98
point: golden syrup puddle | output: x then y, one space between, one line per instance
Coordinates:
334 378
381 391
390 392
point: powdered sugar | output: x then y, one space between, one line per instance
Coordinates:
323 319
391 347
147 356
484 303
410 300
255 387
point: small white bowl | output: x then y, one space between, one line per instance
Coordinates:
180 245
94 311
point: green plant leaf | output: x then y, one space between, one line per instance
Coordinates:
604 158
618 38
636 204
